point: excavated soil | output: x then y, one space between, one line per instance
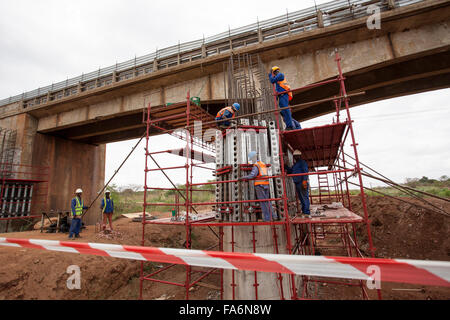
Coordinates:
399 231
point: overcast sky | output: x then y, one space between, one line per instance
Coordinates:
46 41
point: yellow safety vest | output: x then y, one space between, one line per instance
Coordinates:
261 179
79 207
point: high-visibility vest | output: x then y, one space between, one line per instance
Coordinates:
286 87
79 207
221 113
261 179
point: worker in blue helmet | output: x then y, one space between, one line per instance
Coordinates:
227 113
262 185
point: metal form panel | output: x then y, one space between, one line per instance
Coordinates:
276 184
219 164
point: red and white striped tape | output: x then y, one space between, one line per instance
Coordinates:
435 273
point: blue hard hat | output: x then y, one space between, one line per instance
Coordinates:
251 155
237 106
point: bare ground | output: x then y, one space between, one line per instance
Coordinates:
399 231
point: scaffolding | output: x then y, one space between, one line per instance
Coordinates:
235 206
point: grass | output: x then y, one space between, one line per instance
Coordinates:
130 201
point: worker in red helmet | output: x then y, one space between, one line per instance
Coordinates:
278 78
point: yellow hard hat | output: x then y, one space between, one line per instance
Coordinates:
275 68
297 153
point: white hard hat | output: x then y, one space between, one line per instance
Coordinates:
107 191
297 153
79 191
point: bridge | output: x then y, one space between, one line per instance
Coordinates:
65 126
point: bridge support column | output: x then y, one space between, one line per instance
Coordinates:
245 285
72 164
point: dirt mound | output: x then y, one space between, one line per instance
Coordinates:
399 231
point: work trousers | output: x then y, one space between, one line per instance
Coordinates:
75 227
303 195
262 192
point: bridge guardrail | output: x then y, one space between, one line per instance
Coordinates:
334 12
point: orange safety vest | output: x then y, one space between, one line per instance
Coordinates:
286 87
261 179
221 113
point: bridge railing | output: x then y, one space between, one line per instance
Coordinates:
291 23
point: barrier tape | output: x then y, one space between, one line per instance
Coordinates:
434 273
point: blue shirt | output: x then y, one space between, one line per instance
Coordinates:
276 79
109 205
301 166
74 204
252 174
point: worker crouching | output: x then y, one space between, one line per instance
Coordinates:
227 113
261 182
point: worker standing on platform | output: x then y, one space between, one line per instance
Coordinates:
227 113
283 99
107 207
301 182
259 174
77 206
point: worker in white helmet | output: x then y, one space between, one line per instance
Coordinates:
107 207
77 206
301 182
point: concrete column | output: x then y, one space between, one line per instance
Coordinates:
72 165
269 287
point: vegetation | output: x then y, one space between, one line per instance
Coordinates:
131 198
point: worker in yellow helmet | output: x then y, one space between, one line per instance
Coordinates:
278 78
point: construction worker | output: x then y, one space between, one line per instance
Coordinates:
301 182
77 206
283 99
259 174
227 113
107 207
